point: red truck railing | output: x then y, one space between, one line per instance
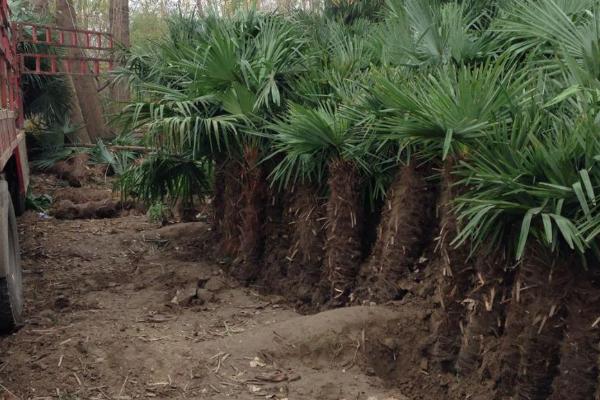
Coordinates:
11 117
63 40
72 52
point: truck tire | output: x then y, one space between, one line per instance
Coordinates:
12 179
11 283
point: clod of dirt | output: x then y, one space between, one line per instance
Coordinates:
85 195
215 284
73 170
66 209
62 302
205 295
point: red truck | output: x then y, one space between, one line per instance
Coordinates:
14 170
14 175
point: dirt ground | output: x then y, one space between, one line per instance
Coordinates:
123 309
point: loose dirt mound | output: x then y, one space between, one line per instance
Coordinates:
95 201
118 309
66 209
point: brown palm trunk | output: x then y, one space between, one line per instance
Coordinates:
529 350
344 222
455 274
253 192
218 203
542 336
277 228
578 369
228 204
85 87
403 234
485 317
306 252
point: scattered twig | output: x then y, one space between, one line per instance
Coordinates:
77 378
8 391
123 385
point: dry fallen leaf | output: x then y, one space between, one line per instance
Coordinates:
254 388
257 362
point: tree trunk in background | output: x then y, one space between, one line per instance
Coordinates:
344 229
76 116
85 87
119 28
40 7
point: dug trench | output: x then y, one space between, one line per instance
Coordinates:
118 308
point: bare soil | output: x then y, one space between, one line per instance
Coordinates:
122 309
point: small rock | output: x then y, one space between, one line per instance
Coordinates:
424 364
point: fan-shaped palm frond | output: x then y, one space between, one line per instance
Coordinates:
451 106
162 176
308 138
551 29
534 179
432 32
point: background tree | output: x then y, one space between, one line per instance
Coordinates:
85 88
119 28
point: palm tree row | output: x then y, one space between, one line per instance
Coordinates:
470 128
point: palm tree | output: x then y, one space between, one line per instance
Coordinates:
311 145
215 81
414 36
445 113
558 39
536 183
321 144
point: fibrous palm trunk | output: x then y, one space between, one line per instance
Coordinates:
274 274
305 255
534 327
253 192
578 369
343 235
218 202
485 315
402 235
227 205
455 278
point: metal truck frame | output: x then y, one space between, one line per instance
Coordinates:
14 169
